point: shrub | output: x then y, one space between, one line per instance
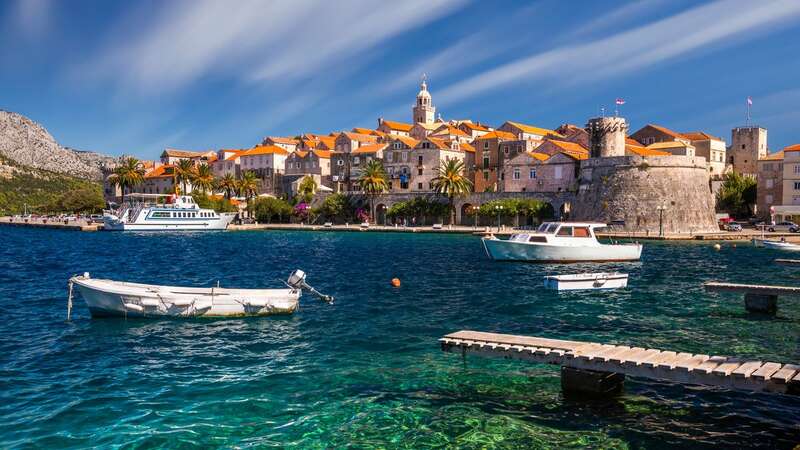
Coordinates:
267 209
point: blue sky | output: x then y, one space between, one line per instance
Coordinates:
135 77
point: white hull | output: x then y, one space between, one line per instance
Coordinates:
221 223
108 298
596 281
781 245
502 250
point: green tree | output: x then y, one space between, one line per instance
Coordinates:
185 173
737 195
248 186
334 207
267 209
373 182
307 188
227 184
127 175
451 182
203 178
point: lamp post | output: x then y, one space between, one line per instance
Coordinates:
475 210
661 210
499 209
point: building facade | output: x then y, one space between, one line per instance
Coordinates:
769 190
748 145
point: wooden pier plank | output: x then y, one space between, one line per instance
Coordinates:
679 358
624 357
715 286
726 368
694 362
709 364
746 369
766 371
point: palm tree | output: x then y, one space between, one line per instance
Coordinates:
128 174
373 182
204 178
451 182
248 185
228 184
185 172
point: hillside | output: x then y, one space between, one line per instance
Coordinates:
29 145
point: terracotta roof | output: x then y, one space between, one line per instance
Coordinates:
360 137
792 148
777 156
235 155
174 152
369 148
667 144
324 154
399 126
428 126
282 140
449 130
569 146
539 156
532 129
441 144
329 141
299 154
368 131
632 141
265 150
409 141
699 136
497 134
664 130
474 126
466 147
576 155
163 171
645 151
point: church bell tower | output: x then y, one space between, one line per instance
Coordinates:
424 111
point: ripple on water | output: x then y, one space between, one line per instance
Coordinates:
366 372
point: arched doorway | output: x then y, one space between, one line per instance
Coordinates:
548 212
469 215
380 214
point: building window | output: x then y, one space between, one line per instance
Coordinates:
419 171
339 162
505 149
516 173
742 146
532 174
558 173
797 168
519 149
405 156
419 186
769 183
797 185
486 175
419 160
768 199
486 161
389 156
356 160
486 145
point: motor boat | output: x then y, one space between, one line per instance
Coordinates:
560 242
175 213
780 245
110 298
580 281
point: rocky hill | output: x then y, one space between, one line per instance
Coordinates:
28 144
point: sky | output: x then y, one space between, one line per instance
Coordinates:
138 76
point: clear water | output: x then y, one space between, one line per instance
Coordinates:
367 371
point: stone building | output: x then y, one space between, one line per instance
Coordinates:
748 145
711 148
397 162
172 156
227 163
789 207
423 111
527 132
268 162
489 160
395 128
769 190
161 180
316 163
677 148
343 161
288 144
426 158
474 130
543 172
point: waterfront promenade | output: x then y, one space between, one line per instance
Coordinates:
74 225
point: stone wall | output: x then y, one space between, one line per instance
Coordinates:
633 188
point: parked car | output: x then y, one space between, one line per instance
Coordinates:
733 226
96 218
784 226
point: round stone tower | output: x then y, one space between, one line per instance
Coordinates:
607 136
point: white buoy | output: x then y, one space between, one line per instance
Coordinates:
717 247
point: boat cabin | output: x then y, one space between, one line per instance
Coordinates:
547 231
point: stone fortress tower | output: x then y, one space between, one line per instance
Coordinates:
748 145
424 111
607 136
648 194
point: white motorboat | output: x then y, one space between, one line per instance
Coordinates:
779 245
178 213
579 281
110 298
560 242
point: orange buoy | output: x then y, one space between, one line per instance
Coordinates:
396 282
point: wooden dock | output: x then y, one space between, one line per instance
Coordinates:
599 368
74 225
757 298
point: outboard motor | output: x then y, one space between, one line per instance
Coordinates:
297 280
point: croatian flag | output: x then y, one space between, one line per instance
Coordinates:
620 101
749 101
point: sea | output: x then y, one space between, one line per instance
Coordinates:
367 371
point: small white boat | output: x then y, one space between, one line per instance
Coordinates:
780 245
578 281
178 213
110 298
560 242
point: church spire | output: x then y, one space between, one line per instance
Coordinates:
423 111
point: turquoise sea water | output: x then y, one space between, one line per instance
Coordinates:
367 372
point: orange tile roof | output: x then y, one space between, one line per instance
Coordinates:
539 156
441 144
360 137
664 130
632 141
283 140
645 151
265 150
497 134
699 136
569 146
667 144
324 154
163 171
576 155
235 155
792 148
777 156
474 126
466 147
409 141
532 129
399 126
299 154
449 130
369 148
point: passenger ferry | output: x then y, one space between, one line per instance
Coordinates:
178 213
560 242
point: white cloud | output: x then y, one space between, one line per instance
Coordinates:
32 16
252 40
699 29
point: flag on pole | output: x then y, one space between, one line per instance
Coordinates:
620 101
749 101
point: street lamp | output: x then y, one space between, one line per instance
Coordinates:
661 209
499 209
